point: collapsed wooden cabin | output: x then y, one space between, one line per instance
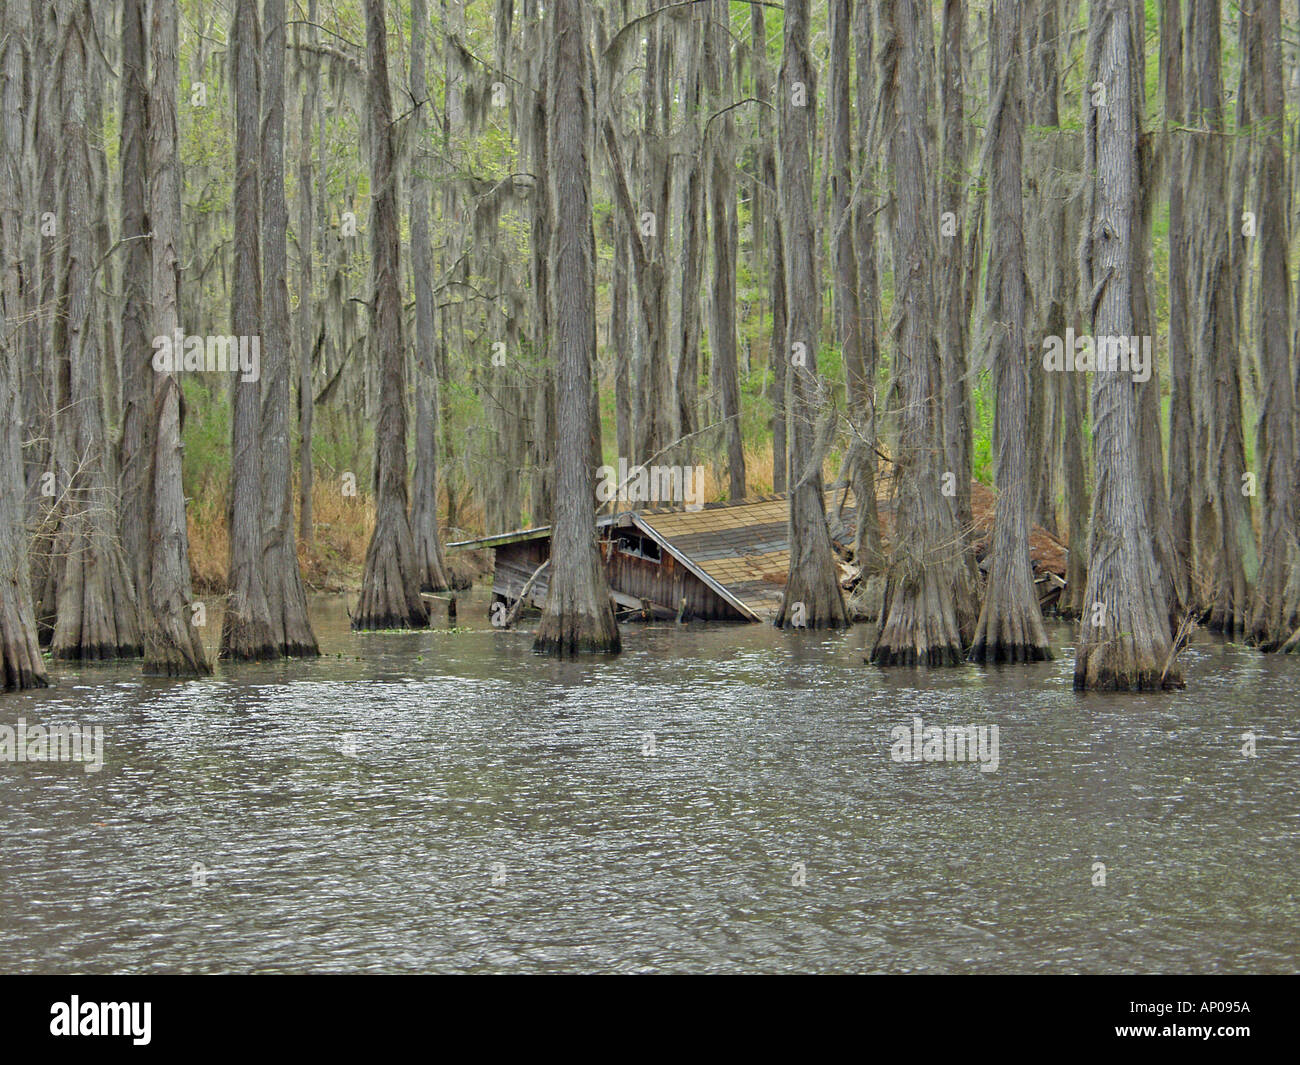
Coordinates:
722 562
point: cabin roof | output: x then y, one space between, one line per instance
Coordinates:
740 550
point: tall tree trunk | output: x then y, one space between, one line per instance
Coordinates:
956 401
1228 537
621 340
812 593
424 502
867 548
285 596
689 190
578 616
42 362
778 357
1052 161
722 218
172 643
96 607
1124 642
136 347
921 615
246 631
859 462
1010 625
390 586
1150 434
1276 611
1181 466
306 387
21 664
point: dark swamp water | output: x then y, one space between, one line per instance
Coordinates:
717 798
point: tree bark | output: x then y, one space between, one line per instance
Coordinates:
21 664
921 614
722 219
767 207
868 551
306 387
1276 611
812 596
424 503
285 596
1181 466
956 403
136 346
390 587
579 615
246 630
1225 533
1010 627
172 643
1124 642
97 614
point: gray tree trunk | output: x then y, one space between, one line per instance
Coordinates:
722 219
1124 643
1276 612
424 501
921 614
306 387
812 592
172 642
867 548
578 616
136 342
390 586
779 351
1181 423
246 630
285 596
1010 627
21 664
1225 531
97 615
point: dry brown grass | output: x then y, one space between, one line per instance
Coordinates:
333 561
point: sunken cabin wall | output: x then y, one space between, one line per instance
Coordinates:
665 581
634 565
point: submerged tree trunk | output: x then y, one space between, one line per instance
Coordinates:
955 394
579 615
920 621
172 643
812 593
1124 643
1010 627
390 586
246 632
424 502
286 598
1276 611
1224 532
1181 466
136 346
859 462
96 606
867 548
21 665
